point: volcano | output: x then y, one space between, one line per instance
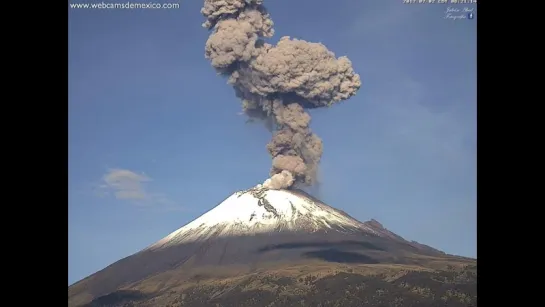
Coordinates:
262 247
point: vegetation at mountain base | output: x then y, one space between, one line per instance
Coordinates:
454 286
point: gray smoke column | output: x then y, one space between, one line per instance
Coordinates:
277 83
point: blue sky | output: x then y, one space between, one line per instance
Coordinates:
155 139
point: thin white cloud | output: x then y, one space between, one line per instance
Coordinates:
124 184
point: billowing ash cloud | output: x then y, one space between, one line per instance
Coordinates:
277 83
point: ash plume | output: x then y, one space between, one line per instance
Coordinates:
276 83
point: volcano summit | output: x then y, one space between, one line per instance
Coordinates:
252 212
258 236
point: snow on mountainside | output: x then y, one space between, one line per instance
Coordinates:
259 210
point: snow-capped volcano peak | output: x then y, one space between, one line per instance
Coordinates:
259 210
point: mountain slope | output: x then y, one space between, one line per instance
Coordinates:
255 230
312 284
258 211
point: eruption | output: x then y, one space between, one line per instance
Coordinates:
277 83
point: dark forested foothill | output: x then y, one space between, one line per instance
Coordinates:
449 287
